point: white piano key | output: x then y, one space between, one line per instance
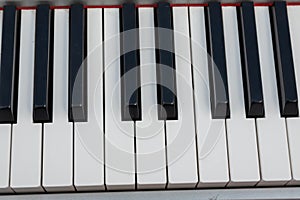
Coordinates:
150 134
271 130
119 135
180 134
89 149
211 133
293 124
26 158
241 131
5 141
58 136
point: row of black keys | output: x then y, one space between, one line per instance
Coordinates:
166 79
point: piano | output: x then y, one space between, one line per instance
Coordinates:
149 100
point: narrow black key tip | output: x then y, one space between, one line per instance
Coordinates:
41 114
168 112
256 110
221 110
290 109
78 114
131 113
6 115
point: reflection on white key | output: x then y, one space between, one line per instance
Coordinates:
5 140
26 136
241 132
211 135
119 135
58 136
89 149
150 134
293 124
271 130
180 134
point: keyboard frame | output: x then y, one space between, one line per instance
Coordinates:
193 194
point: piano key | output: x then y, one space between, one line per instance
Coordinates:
26 158
211 133
180 134
5 147
58 135
77 68
166 89
287 92
5 141
242 145
119 135
9 64
43 71
217 61
271 130
89 146
130 72
254 103
293 124
150 132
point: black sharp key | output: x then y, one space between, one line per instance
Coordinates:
43 66
77 66
130 73
9 68
283 57
166 88
217 61
253 93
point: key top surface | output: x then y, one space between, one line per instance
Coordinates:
43 70
254 103
217 61
287 93
9 64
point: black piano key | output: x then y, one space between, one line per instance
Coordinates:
77 66
283 57
9 68
130 72
217 61
165 59
254 102
43 66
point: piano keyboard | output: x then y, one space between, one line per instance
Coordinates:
149 97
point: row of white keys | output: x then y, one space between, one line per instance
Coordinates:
293 124
58 136
26 152
211 135
271 130
180 134
150 132
88 136
5 140
119 135
241 131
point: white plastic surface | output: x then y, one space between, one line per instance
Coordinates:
89 147
211 133
293 124
150 134
119 135
26 158
181 133
241 131
58 136
271 130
